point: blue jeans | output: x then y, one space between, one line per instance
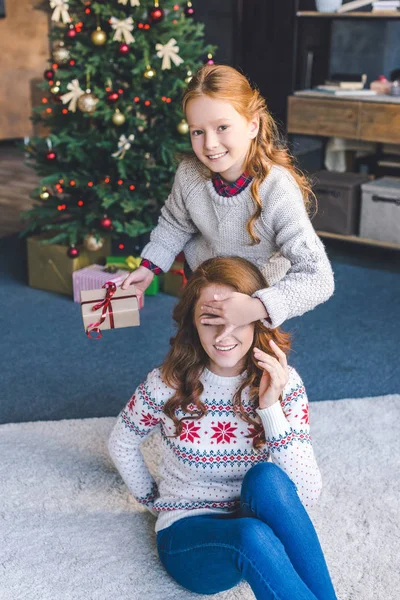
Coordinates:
270 542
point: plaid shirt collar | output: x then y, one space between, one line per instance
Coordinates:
231 189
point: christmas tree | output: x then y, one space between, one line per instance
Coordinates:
112 103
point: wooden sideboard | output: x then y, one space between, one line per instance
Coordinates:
341 117
349 119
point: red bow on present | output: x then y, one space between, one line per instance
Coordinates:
180 272
107 306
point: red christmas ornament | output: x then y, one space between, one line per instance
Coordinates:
188 10
123 49
106 223
71 33
51 155
156 14
49 74
112 97
72 252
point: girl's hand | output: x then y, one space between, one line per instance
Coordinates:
274 377
142 278
232 310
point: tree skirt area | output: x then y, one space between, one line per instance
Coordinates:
69 528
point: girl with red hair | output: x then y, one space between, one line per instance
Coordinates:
238 469
239 195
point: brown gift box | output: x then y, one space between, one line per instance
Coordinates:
115 308
49 267
174 279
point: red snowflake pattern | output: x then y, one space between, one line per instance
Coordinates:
223 432
131 402
304 418
189 431
148 420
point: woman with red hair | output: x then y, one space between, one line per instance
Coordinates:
238 469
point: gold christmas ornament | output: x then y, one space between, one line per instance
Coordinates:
150 160
118 118
182 127
87 102
61 55
92 243
149 73
99 37
44 194
55 89
189 77
144 123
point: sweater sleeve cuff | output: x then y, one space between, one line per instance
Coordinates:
151 266
273 420
160 256
274 305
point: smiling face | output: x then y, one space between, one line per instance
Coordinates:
220 136
228 357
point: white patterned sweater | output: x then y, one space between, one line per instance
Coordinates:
202 470
292 258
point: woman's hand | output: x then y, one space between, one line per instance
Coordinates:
274 377
232 310
142 278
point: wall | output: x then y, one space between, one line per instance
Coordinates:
365 47
218 19
24 52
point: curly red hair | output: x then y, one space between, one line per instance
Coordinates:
186 359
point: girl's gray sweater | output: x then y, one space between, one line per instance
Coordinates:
203 224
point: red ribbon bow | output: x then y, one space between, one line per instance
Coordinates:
180 272
107 306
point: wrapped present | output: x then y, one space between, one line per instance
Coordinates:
108 308
175 279
131 263
93 277
50 268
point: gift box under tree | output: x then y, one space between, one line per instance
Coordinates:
175 279
50 268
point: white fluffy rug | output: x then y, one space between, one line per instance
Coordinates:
69 529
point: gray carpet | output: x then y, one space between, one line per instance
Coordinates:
71 531
49 369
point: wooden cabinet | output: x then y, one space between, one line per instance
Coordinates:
348 119
314 116
379 122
